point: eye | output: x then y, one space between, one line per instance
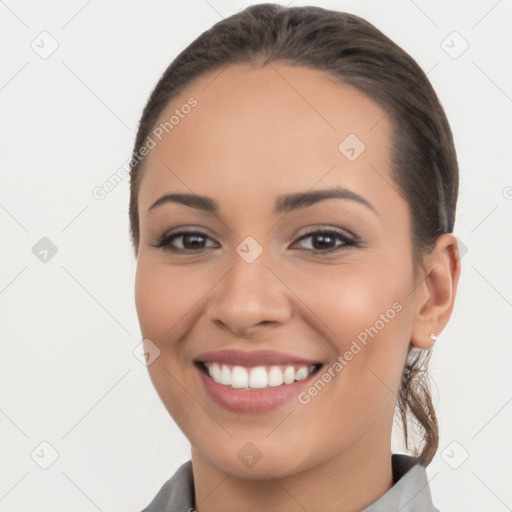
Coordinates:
324 240
191 241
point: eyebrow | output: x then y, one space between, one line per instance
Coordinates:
284 203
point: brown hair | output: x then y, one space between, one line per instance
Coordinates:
352 51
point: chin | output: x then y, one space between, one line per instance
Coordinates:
255 461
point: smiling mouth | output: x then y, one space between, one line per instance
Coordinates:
256 377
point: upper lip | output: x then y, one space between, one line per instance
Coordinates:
253 358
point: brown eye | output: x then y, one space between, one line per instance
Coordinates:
190 241
324 241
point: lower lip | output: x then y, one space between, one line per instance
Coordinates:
253 401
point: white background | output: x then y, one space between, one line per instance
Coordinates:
68 375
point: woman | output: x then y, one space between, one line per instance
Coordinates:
293 194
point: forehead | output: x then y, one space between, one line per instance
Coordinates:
267 129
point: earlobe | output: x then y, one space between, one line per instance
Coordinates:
423 340
436 295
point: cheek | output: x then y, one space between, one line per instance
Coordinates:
163 297
366 316
350 297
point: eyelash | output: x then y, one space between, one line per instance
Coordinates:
164 242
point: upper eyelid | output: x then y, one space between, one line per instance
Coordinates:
311 231
340 232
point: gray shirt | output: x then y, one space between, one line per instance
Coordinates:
410 492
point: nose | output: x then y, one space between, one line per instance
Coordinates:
250 297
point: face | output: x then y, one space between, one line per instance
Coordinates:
266 281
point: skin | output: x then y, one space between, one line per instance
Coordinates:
255 134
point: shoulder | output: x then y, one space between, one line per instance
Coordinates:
175 494
410 492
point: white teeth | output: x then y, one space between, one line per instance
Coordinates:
301 373
215 372
239 377
258 377
289 375
275 376
225 376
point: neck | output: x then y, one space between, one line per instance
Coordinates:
349 481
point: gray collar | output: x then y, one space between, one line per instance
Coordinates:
410 493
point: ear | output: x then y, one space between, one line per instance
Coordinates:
436 294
